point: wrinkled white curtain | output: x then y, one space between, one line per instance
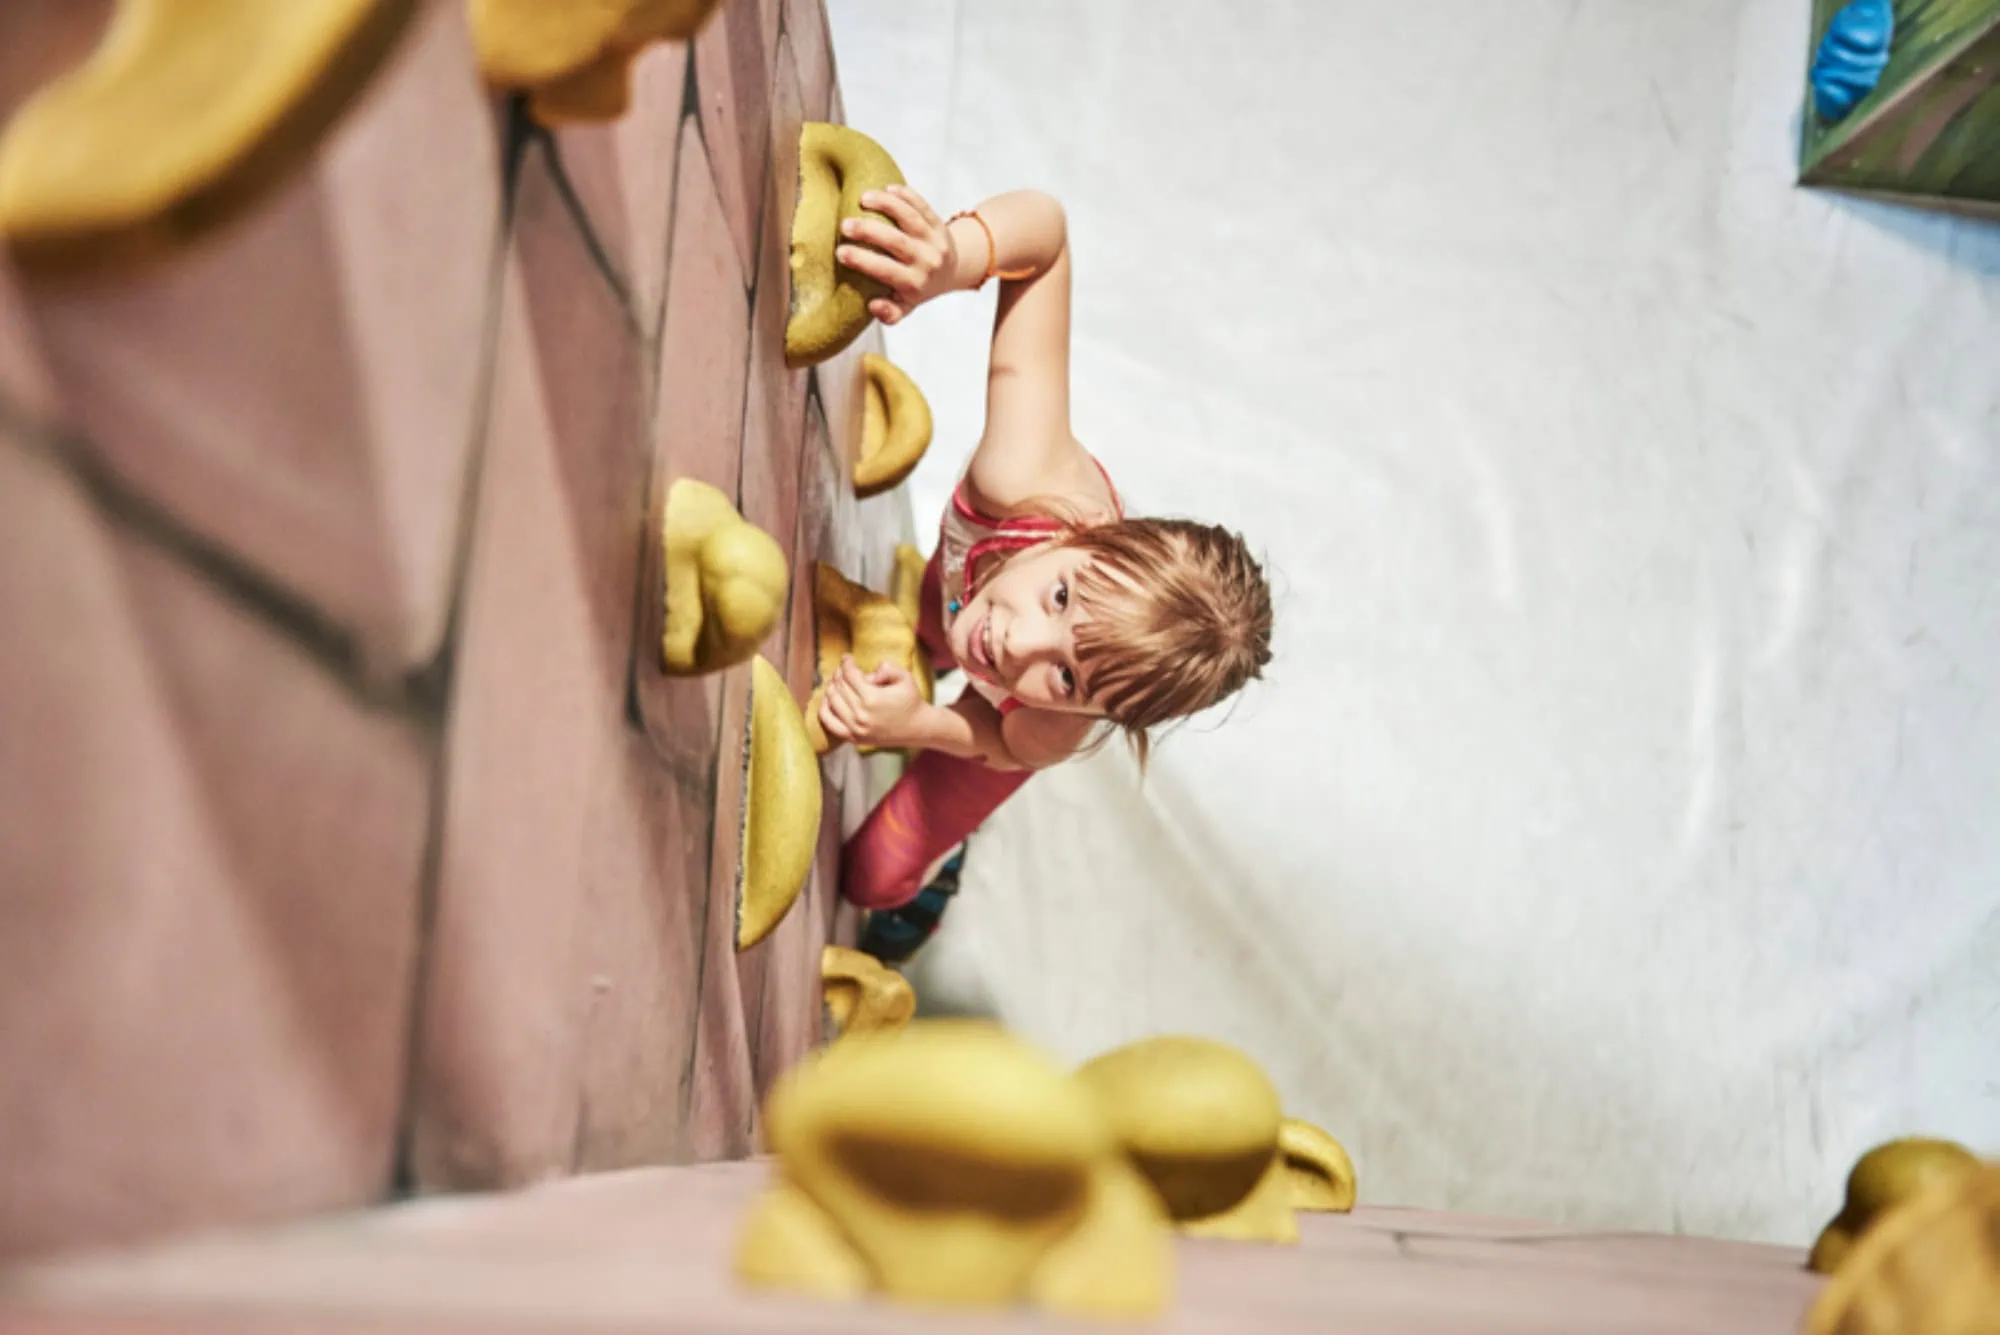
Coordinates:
1617 836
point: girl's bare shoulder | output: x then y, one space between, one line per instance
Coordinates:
1001 478
1039 738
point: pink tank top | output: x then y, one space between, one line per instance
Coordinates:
967 537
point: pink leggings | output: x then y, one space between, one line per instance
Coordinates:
938 802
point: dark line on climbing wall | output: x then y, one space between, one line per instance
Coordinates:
691 97
705 887
766 161
832 58
579 1138
635 716
324 640
600 258
642 589
438 675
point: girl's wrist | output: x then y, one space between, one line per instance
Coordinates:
969 242
931 729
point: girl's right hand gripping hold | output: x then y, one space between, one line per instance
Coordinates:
916 259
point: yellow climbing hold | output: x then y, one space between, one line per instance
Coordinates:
1320 1173
853 619
1200 1122
906 585
1882 1179
726 581
781 808
950 1165
906 590
1929 1266
829 307
862 994
895 426
187 113
574 57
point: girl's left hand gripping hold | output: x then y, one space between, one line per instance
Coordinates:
879 708
915 258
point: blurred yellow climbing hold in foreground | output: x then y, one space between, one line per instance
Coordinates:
185 115
574 57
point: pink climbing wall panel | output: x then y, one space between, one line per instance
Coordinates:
351 841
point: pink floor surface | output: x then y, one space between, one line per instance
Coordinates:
647 1250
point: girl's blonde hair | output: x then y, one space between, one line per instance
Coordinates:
1179 616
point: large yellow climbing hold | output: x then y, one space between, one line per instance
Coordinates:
726 581
906 590
829 308
862 994
1930 1266
1200 1122
186 114
1882 1179
1317 1166
906 585
853 619
950 1165
781 808
574 57
895 426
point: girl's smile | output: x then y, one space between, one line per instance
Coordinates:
979 644
1018 633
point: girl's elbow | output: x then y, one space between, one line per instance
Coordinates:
1052 208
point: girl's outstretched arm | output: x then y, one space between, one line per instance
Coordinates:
1022 239
1028 449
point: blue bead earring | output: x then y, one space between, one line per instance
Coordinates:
953 606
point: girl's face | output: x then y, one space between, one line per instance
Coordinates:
1019 632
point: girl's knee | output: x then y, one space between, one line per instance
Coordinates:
874 883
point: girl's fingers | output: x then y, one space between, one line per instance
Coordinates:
930 215
849 711
878 266
876 233
898 207
885 310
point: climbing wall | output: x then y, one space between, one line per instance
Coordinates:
1925 131
352 843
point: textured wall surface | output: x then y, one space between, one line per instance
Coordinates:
350 839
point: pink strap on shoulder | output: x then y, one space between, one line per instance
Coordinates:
1017 533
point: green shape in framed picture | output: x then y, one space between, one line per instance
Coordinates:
1903 101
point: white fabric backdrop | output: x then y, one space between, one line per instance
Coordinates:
1614 839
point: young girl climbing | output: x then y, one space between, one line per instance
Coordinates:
1061 611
